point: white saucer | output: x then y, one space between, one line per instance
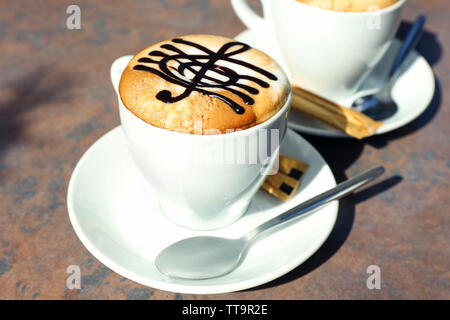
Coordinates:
412 91
119 221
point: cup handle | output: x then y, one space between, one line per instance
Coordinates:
249 17
117 68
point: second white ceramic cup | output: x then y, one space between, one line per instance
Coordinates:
327 52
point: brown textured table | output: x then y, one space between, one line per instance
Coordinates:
56 100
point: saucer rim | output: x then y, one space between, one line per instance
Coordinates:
185 288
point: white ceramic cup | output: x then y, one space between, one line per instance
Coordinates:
327 52
203 182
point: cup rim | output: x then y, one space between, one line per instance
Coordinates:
386 10
237 133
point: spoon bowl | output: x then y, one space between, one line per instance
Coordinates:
380 106
200 257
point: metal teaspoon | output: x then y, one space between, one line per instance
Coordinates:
205 257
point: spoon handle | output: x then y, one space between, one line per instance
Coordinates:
341 190
409 44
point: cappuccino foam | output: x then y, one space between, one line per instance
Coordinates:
209 81
350 5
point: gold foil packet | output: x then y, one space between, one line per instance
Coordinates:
286 182
350 121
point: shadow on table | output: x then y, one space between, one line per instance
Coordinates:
339 234
340 154
38 88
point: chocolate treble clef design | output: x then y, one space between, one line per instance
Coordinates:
206 73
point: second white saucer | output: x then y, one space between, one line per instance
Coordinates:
413 90
118 219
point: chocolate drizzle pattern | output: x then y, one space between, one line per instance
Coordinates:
201 72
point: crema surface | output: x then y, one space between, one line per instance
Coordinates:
203 84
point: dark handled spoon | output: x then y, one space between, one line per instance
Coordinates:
207 257
380 106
